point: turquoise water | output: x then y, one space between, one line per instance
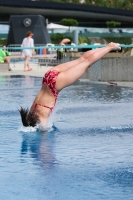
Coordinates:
86 153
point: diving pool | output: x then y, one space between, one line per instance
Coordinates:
86 154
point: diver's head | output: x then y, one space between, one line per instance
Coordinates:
28 118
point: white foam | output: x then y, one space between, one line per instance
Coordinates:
39 128
27 129
130 170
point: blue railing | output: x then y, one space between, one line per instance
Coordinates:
90 46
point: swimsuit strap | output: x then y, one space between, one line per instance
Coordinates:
38 104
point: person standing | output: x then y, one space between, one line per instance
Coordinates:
27 53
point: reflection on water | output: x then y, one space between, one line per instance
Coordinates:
102 93
93 92
40 147
119 177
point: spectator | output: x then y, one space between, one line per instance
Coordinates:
60 52
65 41
4 57
27 53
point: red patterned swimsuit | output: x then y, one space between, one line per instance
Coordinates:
49 79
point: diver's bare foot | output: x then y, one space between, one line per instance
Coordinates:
114 46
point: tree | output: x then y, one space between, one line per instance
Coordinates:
112 24
121 4
56 38
69 22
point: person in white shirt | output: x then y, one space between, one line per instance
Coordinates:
27 53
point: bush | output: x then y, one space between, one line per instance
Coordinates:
3 41
120 40
69 22
56 38
82 39
113 24
69 37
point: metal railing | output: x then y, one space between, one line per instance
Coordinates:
51 54
44 54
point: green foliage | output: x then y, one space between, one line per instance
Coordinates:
60 1
121 40
74 1
56 38
63 1
69 37
112 24
82 39
120 4
3 41
69 22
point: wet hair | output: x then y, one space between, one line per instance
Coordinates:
29 33
28 118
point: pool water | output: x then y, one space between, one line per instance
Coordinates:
87 153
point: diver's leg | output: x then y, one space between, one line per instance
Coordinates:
72 74
67 65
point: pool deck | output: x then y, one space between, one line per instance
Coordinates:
18 69
40 71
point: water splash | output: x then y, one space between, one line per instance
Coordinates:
27 129
38 128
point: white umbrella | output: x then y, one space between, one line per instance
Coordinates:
53 26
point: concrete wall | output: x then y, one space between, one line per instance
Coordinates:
111 69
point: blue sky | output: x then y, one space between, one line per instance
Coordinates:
4 28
